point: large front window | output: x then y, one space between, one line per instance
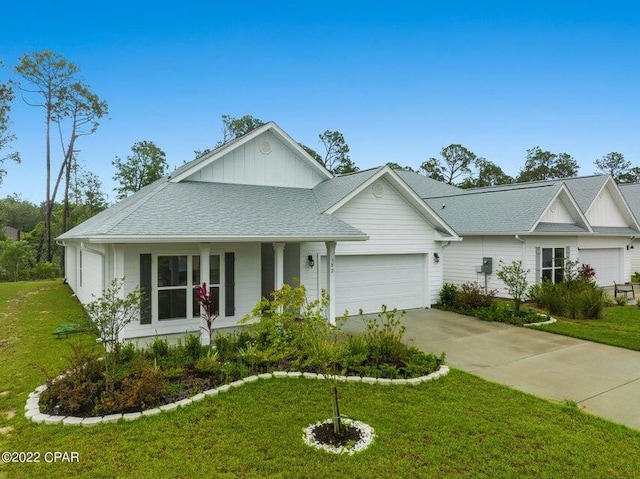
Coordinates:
177 278
553 260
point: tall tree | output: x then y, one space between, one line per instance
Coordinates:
487 174
51 82
613 164
6 136
631 176
456 161
545 165
84 109
397 166
233 128
18 213
146 164
336 157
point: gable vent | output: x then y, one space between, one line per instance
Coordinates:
265 147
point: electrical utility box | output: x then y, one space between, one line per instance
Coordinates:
487 265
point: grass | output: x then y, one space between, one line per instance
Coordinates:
458 426
619 327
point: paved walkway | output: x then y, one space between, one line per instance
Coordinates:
602 380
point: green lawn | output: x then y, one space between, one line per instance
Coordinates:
458 426
619 327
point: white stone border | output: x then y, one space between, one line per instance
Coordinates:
549 321
32 407
366 432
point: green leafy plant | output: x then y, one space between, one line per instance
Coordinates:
110 313
448 294
206 300
514 276
472 296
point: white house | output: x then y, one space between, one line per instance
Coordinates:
584 219
252 215
631 193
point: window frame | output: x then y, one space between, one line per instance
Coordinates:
188 287
557 264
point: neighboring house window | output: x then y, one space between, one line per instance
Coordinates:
553 261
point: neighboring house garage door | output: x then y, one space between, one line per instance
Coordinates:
368 281
606 262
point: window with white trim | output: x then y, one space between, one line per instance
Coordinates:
552 267
177 277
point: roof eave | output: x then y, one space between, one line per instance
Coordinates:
215 239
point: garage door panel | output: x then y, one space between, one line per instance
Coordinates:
369 281
605 262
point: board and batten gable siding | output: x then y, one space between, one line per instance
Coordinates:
392 224
605 212
247 284
253 163
557 213
461 259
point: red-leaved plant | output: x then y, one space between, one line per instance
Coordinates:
206 300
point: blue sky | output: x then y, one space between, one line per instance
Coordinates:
400 80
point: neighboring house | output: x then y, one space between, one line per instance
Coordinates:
631 193
254 214
542 224
13 233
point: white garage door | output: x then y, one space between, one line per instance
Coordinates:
369 281
606 262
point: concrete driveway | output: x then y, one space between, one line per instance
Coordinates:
603 380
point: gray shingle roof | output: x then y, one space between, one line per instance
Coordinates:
329 192
584 189
427 187
559 228
631 193
188 209
495 210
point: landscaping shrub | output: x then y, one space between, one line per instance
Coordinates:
514 276
472 296
577 297
448 295
75 392
193 347
142 389
291 334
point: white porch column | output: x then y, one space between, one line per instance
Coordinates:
278 265
331 283
205 251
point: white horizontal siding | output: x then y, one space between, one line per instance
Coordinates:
634 260
89 286
605 212
248 165
71 266
392 224
462 258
